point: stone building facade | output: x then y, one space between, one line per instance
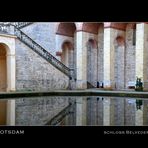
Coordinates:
113 54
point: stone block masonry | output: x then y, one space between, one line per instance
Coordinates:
36 74
44 33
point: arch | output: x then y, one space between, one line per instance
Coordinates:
92 61
93 43
120 41
67 44
66 29
119 26
8 43
67 56
91 27
131 25
6 48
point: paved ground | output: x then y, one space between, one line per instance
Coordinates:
78 93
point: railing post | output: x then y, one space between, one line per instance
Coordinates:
72 80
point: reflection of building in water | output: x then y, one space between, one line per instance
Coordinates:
115 112
95 111
145 112
130 112
106 52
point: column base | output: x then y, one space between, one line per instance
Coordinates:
109 85
81 84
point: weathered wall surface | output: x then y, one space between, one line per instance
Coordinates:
35 73
44 34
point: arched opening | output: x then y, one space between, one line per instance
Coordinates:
94 33
3 69
3 83
66 29
67 56
92 62
65 43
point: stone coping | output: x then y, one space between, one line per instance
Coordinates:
76 93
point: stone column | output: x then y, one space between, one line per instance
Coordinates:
11 79
142 53
81 61
108 58
11 69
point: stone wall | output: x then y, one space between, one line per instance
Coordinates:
44 34
68 55
35 73
141 69
91 66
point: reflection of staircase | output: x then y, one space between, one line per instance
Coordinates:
43 53
89 85
59 118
